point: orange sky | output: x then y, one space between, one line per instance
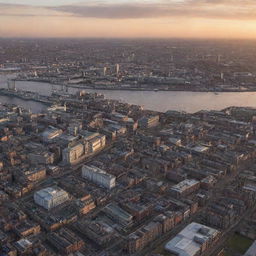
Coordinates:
184 18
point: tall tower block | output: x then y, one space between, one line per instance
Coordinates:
11 85
117 69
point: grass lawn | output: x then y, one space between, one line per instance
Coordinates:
237 244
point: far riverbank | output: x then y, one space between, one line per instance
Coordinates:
82 86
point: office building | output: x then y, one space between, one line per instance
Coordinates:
98 176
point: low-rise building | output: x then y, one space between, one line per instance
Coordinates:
185 187
148 122
99 176
143 236
85 204
73 154
118 214
41 157
50 197
65 241
94 140
98 231
50 133
36 174
26 228
193 240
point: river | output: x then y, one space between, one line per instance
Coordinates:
35 107
159 101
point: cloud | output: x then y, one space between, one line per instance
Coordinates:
219 9
108 9
19 10
115 11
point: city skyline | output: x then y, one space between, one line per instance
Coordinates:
136 18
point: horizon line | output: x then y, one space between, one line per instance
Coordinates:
130 38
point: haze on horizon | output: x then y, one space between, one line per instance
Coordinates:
128 18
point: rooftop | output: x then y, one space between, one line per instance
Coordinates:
183 185
50 192
190 240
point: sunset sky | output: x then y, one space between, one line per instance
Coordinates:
128 18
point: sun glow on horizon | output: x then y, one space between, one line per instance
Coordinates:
137 19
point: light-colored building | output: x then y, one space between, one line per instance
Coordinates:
50 197
148 122
98 176
89 144
200 149
96 144
35 174
50 133
193 240
185 187
73 154
94 140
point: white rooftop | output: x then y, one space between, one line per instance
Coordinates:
98 170
190 240
250 187
200 149
183 185
50 192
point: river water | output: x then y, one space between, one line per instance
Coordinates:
159 101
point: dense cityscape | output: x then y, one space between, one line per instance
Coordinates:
191 65
127 128
92 176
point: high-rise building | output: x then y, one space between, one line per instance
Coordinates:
11 85
117 69
218 58
105 71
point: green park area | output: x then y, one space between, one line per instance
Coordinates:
237 244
